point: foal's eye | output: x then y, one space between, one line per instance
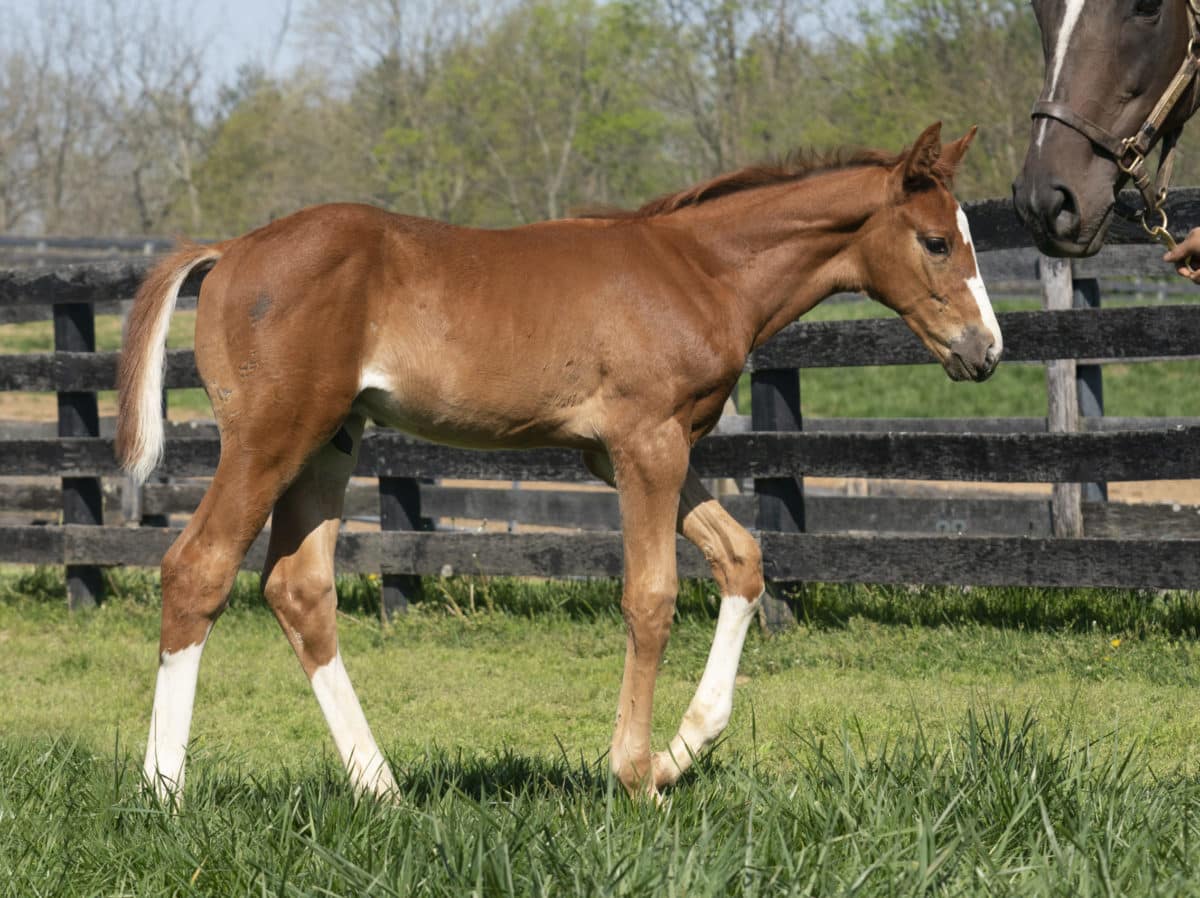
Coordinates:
1147 8
936 246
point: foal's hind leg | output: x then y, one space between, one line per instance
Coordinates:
197 574
736 562
298 584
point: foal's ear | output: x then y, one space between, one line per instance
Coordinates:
952 153
919 166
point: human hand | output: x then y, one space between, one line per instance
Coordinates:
1186 255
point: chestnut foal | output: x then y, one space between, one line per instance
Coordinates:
619 335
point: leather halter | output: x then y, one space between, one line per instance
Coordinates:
1130 152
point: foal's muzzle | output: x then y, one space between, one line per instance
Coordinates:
973 355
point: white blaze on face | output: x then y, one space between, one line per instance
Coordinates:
1070 20
978 290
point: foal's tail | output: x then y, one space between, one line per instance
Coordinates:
140 372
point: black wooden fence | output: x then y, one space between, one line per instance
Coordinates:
1076 540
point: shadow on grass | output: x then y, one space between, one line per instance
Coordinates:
505 773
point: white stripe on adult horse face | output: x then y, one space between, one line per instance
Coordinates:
708 714
978 290
171 719
1071 16
368 770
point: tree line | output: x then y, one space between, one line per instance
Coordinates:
484 113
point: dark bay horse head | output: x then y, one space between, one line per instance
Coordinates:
1110 67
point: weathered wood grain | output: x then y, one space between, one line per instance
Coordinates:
1001 458
589 511
1106 424
98 282
1116 333
1130 563
85 371
1012 458
1161 564
1062 404
31 545
143 245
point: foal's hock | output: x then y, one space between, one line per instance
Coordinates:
620 335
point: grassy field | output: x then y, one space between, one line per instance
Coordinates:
898 742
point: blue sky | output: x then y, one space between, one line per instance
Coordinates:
242 30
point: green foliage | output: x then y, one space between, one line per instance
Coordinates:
501 113
543 106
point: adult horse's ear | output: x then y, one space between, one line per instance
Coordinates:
919 167
952 153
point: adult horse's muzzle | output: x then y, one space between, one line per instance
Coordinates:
973 355
1066 190
1066 219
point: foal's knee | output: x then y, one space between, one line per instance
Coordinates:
648 614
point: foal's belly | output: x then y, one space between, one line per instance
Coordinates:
481 420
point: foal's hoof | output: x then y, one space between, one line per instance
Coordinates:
666 771
647 792
640 787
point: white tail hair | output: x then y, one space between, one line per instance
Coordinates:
139 442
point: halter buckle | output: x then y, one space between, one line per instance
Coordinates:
1132 161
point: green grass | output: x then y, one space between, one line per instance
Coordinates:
899 741
996 806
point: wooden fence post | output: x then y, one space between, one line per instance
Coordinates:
399 509
1062 400
1089 379
79 416
775 405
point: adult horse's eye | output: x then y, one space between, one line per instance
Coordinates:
1147 8
936 246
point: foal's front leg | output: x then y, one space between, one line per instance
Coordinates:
736 562
649 473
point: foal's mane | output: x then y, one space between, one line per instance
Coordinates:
796 166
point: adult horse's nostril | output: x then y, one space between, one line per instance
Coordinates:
1064 221
1051 207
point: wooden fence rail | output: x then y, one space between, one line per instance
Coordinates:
806 533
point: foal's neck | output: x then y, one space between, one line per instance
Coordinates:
784 248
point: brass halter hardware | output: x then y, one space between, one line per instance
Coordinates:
1130 153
